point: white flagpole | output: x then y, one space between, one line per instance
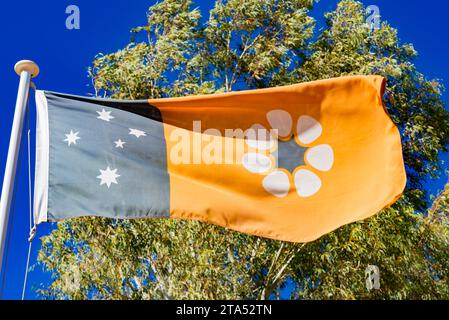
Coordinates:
26 70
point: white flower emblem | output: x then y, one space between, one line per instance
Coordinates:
296 154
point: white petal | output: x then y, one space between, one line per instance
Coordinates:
308 129
307 183
259 138
256 163
321 157
277 183
280 120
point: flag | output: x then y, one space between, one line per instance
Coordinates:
289 163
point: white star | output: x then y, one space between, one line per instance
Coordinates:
108 177
119 143
137 133
105 115
71 138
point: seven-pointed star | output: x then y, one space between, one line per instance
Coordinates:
119 143
71 138
105 115
137 133
108 177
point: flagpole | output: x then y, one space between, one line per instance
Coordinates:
26 69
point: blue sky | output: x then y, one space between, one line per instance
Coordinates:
36 30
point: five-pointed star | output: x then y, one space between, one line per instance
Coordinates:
105 115
71 138
119 143
137 133
108 177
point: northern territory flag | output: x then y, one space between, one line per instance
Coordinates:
289 163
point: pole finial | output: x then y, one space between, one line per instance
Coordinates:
27 65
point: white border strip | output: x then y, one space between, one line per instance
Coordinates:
42 159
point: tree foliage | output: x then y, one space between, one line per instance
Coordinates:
253 44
